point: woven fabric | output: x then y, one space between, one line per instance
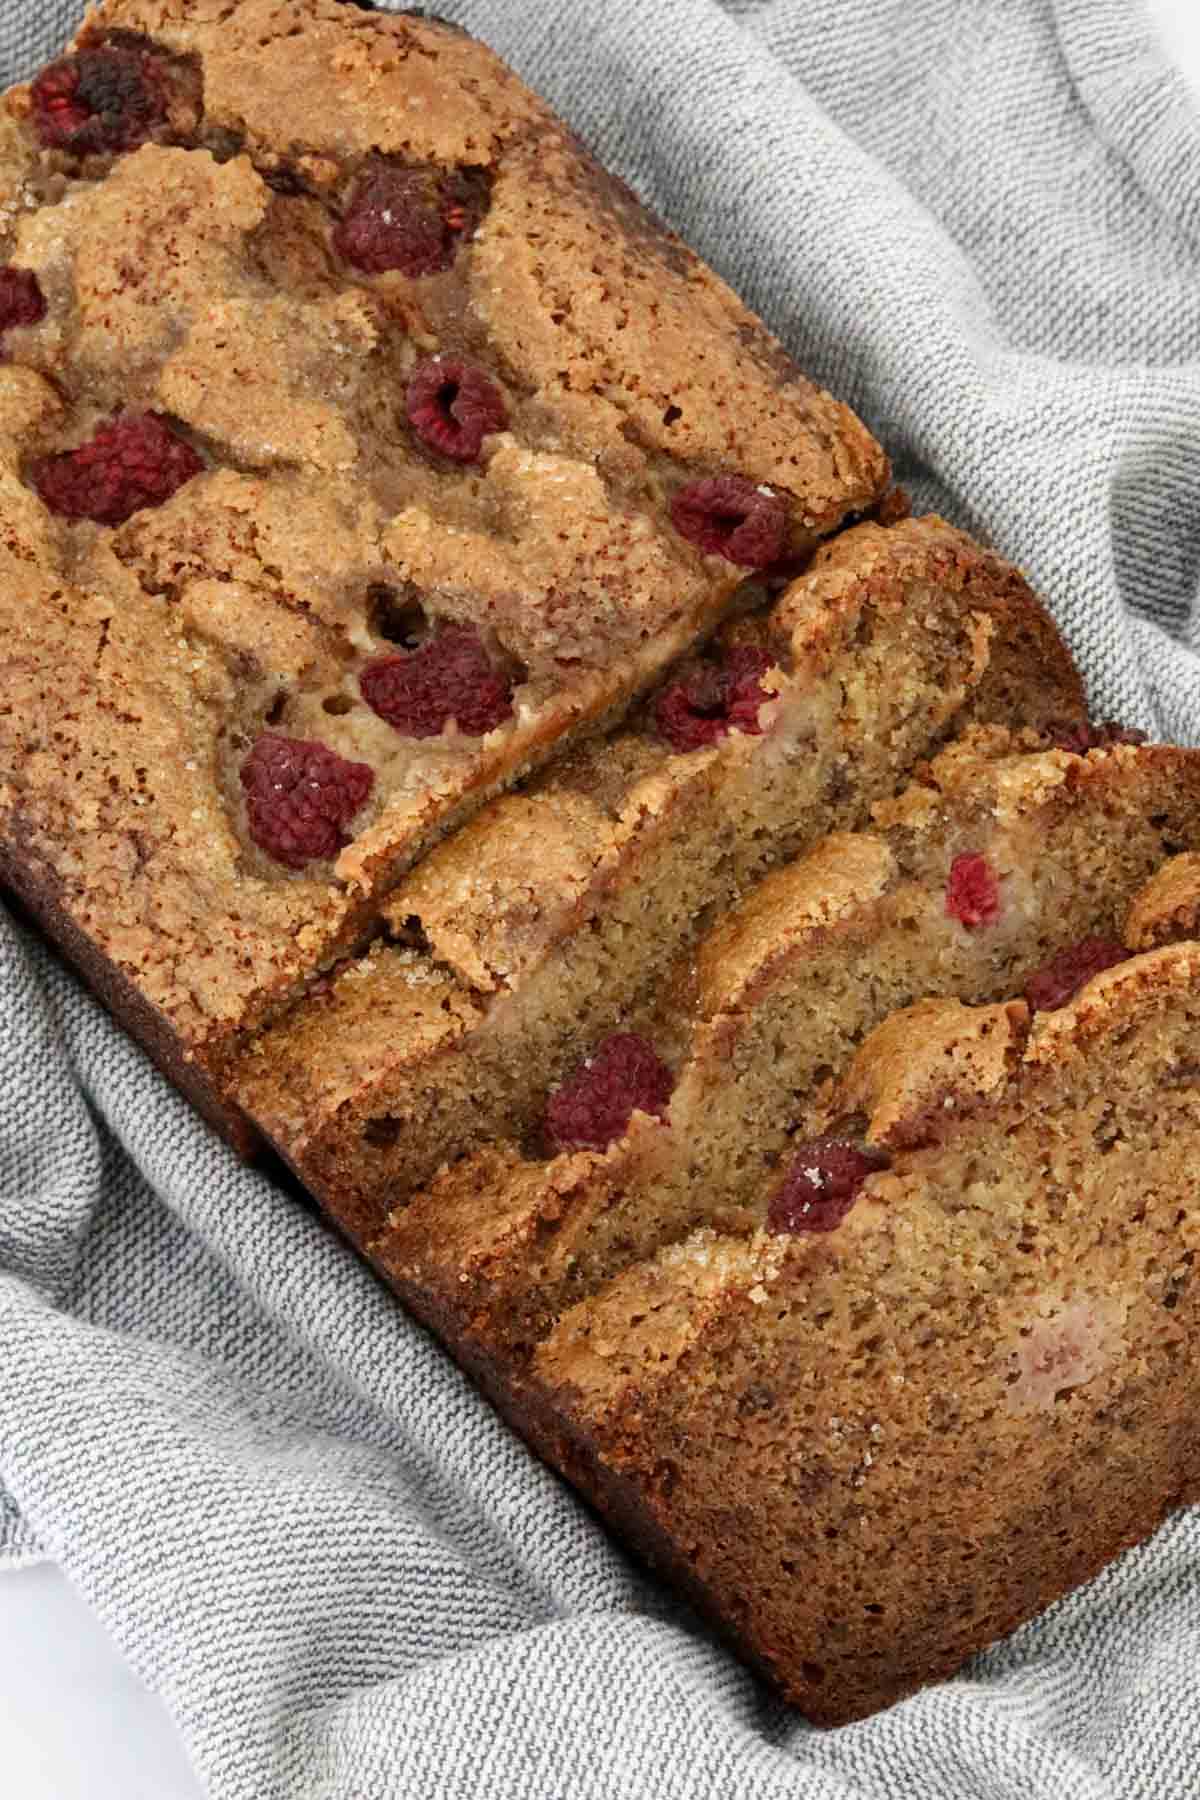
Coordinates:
981 225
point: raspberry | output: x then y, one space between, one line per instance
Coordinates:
972 892
100 100
134 460
1060 979
1079 739
592 1109
300 796
453 405
449 677
412 219
21 299
824 1180
726 515
715 700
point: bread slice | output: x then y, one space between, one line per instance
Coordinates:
560 910
817 1434
777 999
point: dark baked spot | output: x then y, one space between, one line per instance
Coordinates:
418 12
108 98
382 1133
757 1398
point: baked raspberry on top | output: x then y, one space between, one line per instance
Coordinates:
453 406
110 98
134 460
824 1179
300 796
450 677
726 515
973 891
714 700
409 218
593 1107
1060 979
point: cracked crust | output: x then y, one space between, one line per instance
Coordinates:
198 276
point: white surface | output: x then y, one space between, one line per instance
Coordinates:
1179 23
75 1723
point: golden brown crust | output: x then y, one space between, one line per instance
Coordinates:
1168 907
199 276
1031 679
935 1057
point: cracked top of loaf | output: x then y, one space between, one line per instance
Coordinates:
360 439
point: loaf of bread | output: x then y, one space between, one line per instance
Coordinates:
717 974
355 454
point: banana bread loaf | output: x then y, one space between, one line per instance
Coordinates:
363 448
361 441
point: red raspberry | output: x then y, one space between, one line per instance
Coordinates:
592 1109
411 219
108 99
135 460
1060 979
449 677
1079 739
715 700
300 796
726 515
453 405
21 299
824 1180
972 892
